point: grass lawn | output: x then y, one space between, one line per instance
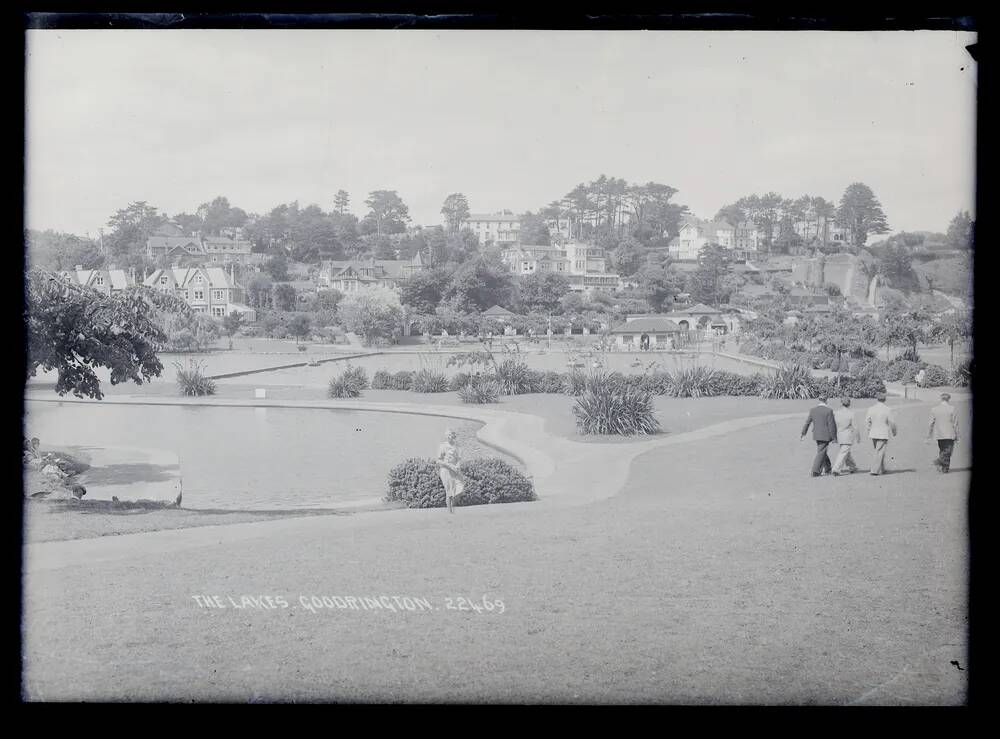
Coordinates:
722 574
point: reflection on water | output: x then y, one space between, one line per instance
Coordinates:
253 458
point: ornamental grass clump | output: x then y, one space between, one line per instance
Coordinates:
480 390
611 407
381 380
694 382
192 380
349 384
459 380
428 381
574 383
513 377
402 380
788 382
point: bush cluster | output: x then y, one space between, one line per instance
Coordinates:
349 384
513 376
962 376
479 390
459 380
429 381
417 483
610 405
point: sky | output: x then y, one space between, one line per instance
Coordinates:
511 119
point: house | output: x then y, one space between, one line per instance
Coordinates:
349 276
106 281
746 239
499 228
164 244
584 264
497 312
649 332
695 234
208 290
803 296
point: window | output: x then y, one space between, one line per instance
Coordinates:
100 280
217 295
163 280
219 312
627 338
199 294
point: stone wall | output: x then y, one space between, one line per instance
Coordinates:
851 273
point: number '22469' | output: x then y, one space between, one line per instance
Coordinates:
468 604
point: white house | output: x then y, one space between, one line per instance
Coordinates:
107 281
497 228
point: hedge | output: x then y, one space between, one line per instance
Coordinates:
417 483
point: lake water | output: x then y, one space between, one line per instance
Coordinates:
258 458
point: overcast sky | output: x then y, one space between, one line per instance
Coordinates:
511 119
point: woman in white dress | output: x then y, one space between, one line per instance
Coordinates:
448 458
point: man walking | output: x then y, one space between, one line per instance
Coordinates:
824 431
845 437
880 423
944 428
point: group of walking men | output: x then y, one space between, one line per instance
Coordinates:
829 426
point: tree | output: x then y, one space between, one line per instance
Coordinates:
731 214
455 211
61 251
481 283
424 290
277 267
131 227
231 324
188 331
73 330
541 291
387 213
571 302
259 292
534 230
219 214
960 231
952 328
658 285
374 314
903 328
706 279
341 201
299 326
628 257
327 300
895 264
861 214
284 296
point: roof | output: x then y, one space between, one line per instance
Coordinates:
496 310
700 308
170 242
118 277
647 325
492 217
218 278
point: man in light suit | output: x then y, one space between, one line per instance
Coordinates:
944 428
845 437
824 431
881 423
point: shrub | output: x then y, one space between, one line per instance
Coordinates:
962 376
574 383
910 354
694 382
513 377
658 382
381 380
192 381
428 381
459 380
417 483
936 376
546 382
349 384
402 380
788 381
737 385
871 368
901 370
851 387
480 390
492 480
610 406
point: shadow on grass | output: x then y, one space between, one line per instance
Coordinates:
128 473
139 507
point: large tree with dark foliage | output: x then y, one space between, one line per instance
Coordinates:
861 213
73 330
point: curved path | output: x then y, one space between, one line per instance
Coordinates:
564 472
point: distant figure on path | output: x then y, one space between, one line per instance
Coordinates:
881 423
920 378
448 457
846 435
944 428
824 431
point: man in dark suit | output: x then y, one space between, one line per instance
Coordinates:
824 431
